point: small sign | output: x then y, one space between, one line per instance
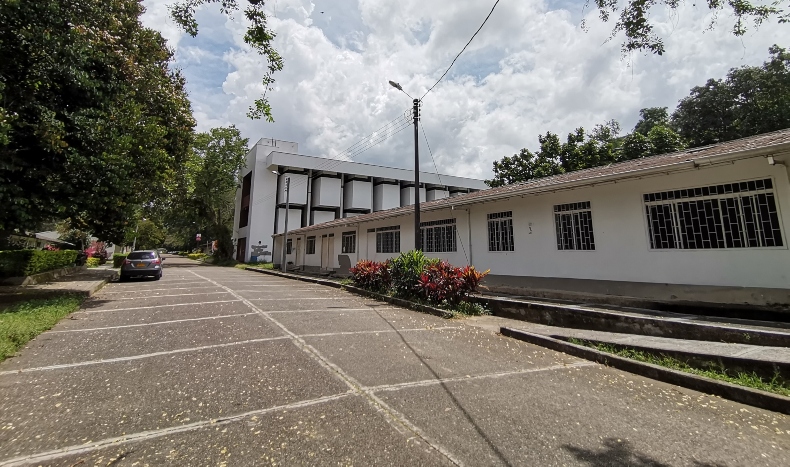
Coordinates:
197 237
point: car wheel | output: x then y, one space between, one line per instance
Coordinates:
157 277
123 278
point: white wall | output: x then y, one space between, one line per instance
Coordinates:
298 188
326 192
294 219
386 197
358 195
323 216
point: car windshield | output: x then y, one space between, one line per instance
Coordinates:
141 255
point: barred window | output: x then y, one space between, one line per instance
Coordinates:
388 239
500 231
573 223
731 215
349 242
438 236
288 246
310 246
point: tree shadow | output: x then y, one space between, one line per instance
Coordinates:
620 453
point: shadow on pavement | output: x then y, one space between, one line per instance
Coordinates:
619 453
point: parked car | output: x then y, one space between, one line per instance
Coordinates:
146 263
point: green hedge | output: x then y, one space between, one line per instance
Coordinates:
196 256
118 259
20 263
93 262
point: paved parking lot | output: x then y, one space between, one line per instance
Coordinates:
219 366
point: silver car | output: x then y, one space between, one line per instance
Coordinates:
142 263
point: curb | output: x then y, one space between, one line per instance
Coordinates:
100 285
366 293
744 395
580 317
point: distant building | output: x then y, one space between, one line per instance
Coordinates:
321 190
708 224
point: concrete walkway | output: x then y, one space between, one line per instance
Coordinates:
85 282
219 366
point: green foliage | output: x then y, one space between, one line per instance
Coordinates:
20 263
197 256
258 36
93 262
118 259
651 117
470 309
86 90
406 270
150 235
23 321
749 101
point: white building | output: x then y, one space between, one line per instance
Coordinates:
708 224
321 190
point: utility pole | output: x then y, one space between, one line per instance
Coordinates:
283 266
417 232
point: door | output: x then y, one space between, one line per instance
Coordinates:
324 252
241 249
330 253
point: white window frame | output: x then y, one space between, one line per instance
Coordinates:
345 243
382 235
310 245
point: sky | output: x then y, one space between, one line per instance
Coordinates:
533 68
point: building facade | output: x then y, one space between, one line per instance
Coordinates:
708 224
321 190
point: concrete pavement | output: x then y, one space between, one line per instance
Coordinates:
219 366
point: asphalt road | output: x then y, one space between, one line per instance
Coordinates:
219 366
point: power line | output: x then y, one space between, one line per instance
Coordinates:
462 50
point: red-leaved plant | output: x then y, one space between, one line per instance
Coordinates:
372 275
442 282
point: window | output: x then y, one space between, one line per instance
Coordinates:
438 236
349 242
244 211
500 231
288 246
573 222
310 246
388 239
141 255
732 215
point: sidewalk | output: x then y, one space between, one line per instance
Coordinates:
85 282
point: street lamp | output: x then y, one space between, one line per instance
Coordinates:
283 267
416 114
136 228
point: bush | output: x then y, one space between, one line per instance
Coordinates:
372 275
196 256
406 270
97 250
28 262
118 259
441 282
93 262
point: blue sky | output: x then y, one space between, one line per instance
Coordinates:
531 69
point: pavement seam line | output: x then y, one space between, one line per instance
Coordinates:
138 357
431 382
153 434
173 295
151 324
373 400
351 333
157 306
104 292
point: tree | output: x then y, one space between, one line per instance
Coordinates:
651 117
664 140
258 36
749 101
149 234
209 189
634 146
93 122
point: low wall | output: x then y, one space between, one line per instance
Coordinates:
42 277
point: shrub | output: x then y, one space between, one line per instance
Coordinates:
118 259
442 282
372 275
28 262
406 270
93 262
97 250
196 256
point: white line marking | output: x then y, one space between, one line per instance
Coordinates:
431 382
396 419
105 291
153 324
45 457
138 357
387 331
142 297
330 310
157 306
299 298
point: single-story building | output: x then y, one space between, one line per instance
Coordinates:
704 224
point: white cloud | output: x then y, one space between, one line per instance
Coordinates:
530 70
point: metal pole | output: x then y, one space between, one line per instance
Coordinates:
417 234
285 232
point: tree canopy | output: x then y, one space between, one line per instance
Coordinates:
94 123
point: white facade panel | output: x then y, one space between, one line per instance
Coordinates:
407 196
358 195
320 217
294 219
433 195
386 196
298 188
326 192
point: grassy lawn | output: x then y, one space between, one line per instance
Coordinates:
776 385
255 265
23 321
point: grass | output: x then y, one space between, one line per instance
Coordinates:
255 265
23 321
776 384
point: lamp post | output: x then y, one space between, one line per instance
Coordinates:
416 115
283 266
136 228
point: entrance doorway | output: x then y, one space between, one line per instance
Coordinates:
241 249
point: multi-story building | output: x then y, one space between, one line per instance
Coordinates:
321 190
